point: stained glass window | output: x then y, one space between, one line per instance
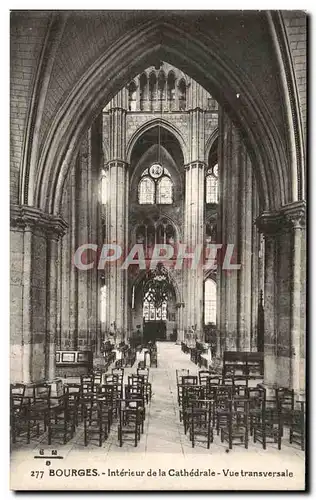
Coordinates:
164 191
212 185
152 313
103 304
210 302
146 193
155 186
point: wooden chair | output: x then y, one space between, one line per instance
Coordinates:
107 393
137 393
95 421
236 423
191 393
269 427
200 423
130 421
61 421
297 425
74 395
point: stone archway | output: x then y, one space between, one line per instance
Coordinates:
131 54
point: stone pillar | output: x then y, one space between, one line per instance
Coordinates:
53 239
117 215
284 297
194 218
269 225
295 215
180 310
235 227
34 331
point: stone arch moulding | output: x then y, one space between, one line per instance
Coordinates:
196 54
140 277
209 143
151 124
293 114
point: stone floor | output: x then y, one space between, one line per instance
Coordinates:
163 432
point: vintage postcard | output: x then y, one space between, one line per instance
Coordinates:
158 261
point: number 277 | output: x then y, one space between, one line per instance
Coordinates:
38 474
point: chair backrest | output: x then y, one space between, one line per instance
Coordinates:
192 393
181 373
97 377
110 378
189 380
87 388
134 392
107 392
135 380
86 379
204 375
143 372
17 389
285 398
72 388
17 392
41 391
202 404
119 372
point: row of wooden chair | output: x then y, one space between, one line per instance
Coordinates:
237 411
92 401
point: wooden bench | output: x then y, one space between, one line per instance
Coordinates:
244 362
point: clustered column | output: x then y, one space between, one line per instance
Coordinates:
284 297
194 214
34 327
117 216
238 289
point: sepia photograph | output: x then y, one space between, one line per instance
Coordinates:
158 175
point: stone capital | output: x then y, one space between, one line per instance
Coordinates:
116 162
271 223
33 219
195 164
295 214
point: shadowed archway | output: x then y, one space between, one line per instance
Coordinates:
197 55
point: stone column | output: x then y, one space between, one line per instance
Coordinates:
117 215
284 297
295 214
180 310
53 238
194 217
235 228
269 225
35 329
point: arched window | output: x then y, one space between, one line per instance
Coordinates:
146 191
161 85
152 86
132 96
182 95
164 191
103 304
211 188
149 233
171 87
143 89
155 186
152 313
104 187
209 301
